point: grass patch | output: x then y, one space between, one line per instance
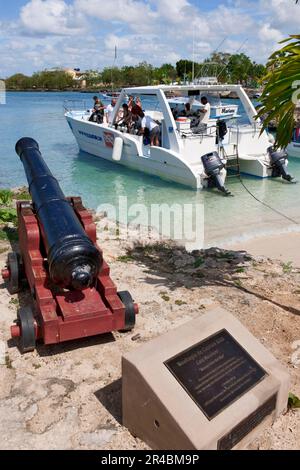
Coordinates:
14 301
240 270
294 401
125 258
36 366
8 215
3 250
199 261
238 283
8 233
8 362
164 296
287 267
180 302
5 196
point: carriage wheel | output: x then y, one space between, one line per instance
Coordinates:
130 312
27 326
15 270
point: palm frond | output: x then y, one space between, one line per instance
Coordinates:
278 98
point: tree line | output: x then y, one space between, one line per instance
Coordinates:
228 68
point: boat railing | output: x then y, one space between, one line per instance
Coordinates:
75 105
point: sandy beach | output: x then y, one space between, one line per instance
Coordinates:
68 396
284 247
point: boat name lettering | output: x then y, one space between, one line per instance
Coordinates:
227 110
91 136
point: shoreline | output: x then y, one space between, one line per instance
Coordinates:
283 247
224 95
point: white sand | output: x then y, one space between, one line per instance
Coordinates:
284 247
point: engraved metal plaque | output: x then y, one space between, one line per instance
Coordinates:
247 425
216 372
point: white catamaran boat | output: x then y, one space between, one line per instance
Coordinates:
195 157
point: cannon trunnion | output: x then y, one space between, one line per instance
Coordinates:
72 292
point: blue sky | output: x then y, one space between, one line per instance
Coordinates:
38 34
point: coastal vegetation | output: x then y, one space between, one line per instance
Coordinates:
8 213
281 93
230 68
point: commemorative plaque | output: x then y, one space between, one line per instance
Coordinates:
215 372
206 385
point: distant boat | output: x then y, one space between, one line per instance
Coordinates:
109 95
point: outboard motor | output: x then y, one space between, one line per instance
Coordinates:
278 160
214 167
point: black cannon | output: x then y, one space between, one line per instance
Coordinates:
74 261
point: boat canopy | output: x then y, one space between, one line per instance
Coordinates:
238 89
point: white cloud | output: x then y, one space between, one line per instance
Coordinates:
128 11
269 34
84 33
50 17
283 14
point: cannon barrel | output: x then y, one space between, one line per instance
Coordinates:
74 261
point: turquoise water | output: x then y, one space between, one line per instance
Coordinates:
40 115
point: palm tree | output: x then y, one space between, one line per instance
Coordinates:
281 91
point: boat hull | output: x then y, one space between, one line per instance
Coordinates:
98 140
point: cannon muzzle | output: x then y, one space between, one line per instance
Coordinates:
74 261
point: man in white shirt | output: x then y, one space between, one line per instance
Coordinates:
205 111
109 110
154 130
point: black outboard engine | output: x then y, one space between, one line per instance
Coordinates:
278 160
213 167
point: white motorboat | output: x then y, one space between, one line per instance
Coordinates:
195 157
109 95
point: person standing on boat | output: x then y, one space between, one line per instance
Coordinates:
126 119
98 111
109 110
130 103
154 130
137 107
205 111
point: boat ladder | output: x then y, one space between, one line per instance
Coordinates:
232 164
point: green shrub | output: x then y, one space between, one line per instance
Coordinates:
5 196
8 215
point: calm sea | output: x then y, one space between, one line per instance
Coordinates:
40 115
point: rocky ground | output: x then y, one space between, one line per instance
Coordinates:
69 396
